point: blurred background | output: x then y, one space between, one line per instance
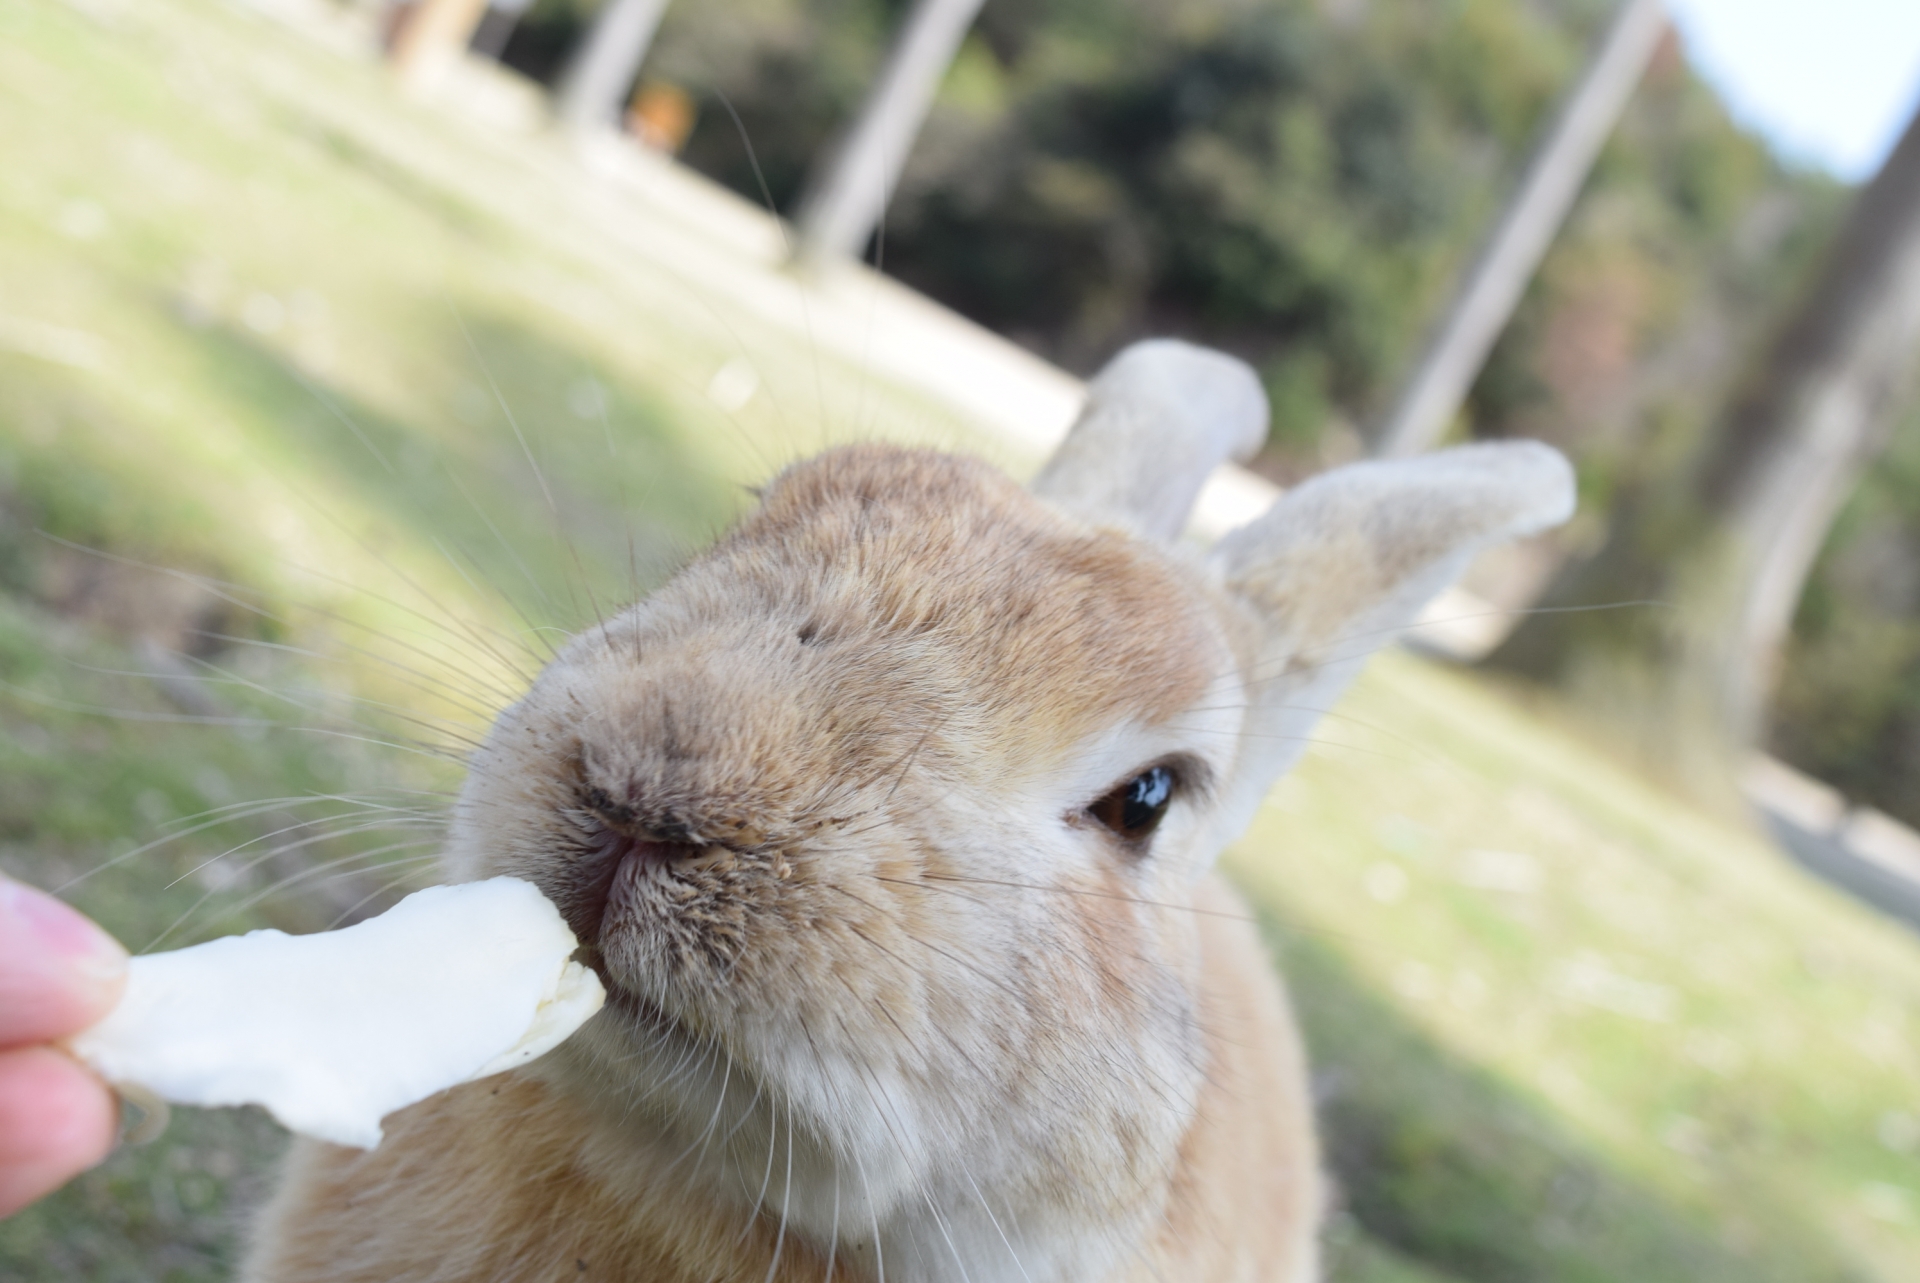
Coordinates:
351 353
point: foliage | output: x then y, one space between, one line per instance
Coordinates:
1849 700
1263 178
1300 181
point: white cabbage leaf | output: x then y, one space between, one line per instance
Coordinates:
333 1031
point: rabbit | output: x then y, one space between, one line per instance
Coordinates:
889 824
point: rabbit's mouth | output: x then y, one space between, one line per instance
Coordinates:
652 903
613 863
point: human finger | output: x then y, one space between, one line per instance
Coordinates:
59 973
56 1120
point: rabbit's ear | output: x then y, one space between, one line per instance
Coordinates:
1342 564
1159 418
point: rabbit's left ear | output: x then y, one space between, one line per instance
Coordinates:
1159 418
1343 564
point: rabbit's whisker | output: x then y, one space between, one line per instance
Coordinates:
223 815
699 1143
368 898
466 637
1018 998
234 594
928 881
386 818
307 875
786 1197
412 679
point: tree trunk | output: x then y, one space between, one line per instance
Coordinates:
595 84
430 38
1725 545
1492 289
496 27
849 189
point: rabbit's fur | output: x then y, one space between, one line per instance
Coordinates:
888 1000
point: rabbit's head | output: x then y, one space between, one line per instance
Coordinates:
882 820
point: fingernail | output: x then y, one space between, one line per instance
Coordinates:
58 931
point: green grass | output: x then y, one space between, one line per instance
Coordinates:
1568 1027
264 322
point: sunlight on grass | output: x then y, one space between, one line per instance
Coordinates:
1590 984
225 276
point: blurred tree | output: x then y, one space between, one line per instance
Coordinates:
1725 542
428 36
1488 294
1297 187
496 27
1299 181
854 178
601 71
1848 709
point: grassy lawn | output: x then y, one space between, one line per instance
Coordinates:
1568 1028
400 406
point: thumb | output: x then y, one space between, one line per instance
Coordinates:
59 973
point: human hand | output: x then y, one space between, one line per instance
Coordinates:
59 973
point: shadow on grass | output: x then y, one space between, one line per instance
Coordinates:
1446 1165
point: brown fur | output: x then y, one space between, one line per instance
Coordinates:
515 1158
893 965
1247 1195
499 1181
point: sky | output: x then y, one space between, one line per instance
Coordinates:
1829 83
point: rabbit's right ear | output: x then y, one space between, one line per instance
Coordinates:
1342 564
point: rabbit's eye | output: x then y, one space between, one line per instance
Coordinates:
1134 809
